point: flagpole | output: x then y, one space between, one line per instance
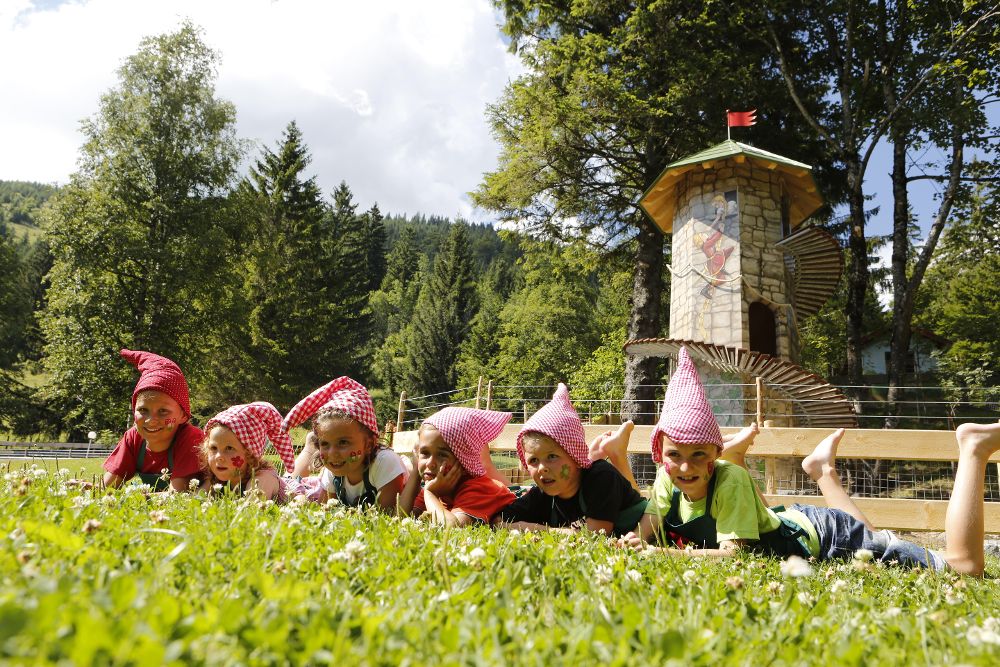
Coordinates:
728 138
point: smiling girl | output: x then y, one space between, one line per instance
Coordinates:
161 438
233 451
571 492
356 468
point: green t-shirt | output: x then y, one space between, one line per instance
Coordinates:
737 509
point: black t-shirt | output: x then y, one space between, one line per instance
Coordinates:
604 490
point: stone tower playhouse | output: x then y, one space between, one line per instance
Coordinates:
744 272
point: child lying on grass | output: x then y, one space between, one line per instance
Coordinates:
161 448
713 503
356 468
571 492
233 452
457 489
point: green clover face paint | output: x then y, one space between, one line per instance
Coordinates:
564 472
354 457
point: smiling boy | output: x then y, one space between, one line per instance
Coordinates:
161 437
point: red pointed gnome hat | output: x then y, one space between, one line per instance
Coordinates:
687 418
254 424
160 374
467 432
558 420
343 395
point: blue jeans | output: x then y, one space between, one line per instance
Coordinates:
840 535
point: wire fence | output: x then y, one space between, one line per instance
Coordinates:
735 404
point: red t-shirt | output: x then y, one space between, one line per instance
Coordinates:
479 497
123 457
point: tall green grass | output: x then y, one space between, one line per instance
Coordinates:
131 578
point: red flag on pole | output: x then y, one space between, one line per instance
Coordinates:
742 118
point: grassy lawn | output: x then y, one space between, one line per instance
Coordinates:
179 579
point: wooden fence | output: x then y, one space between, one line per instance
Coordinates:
782 443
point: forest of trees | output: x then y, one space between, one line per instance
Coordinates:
174 236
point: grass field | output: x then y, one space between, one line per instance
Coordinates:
130 578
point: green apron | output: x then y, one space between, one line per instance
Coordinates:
627 518
154 479
787 539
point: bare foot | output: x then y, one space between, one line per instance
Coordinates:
738 443
978 439
821 461
612 444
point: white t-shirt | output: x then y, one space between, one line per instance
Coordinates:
385 468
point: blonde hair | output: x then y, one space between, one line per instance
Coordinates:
253 463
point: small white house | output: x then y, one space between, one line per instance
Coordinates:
875 353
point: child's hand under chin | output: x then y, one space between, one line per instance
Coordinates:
445 481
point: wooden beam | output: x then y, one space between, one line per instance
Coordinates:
858 443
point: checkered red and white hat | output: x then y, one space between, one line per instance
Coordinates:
161 374
467 432
254 424
344 395
558 420
687 418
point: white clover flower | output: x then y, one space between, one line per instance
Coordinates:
734 582
977 635
992 624
442 596
633 575
300 500
194 483
690 576
108 499
797 567
354 548
838 586
805 598
775 588
863 555
64 472
475 556
332 502
893 612
602 575
217 487
157 516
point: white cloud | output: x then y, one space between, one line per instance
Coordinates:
390 95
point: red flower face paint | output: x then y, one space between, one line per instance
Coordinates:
238 461
354 457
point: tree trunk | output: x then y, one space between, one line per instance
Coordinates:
638 403
899 344
858 276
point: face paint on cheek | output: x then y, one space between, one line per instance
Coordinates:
711 467
354 457
238 461
564 472
170 423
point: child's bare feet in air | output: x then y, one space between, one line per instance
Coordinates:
978 439
612 444
822 461
734 447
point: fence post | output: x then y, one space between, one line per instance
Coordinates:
760 402
401 411
525 409
479 391
770 476
489 395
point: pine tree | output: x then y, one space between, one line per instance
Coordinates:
375 240
441 319
285 289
